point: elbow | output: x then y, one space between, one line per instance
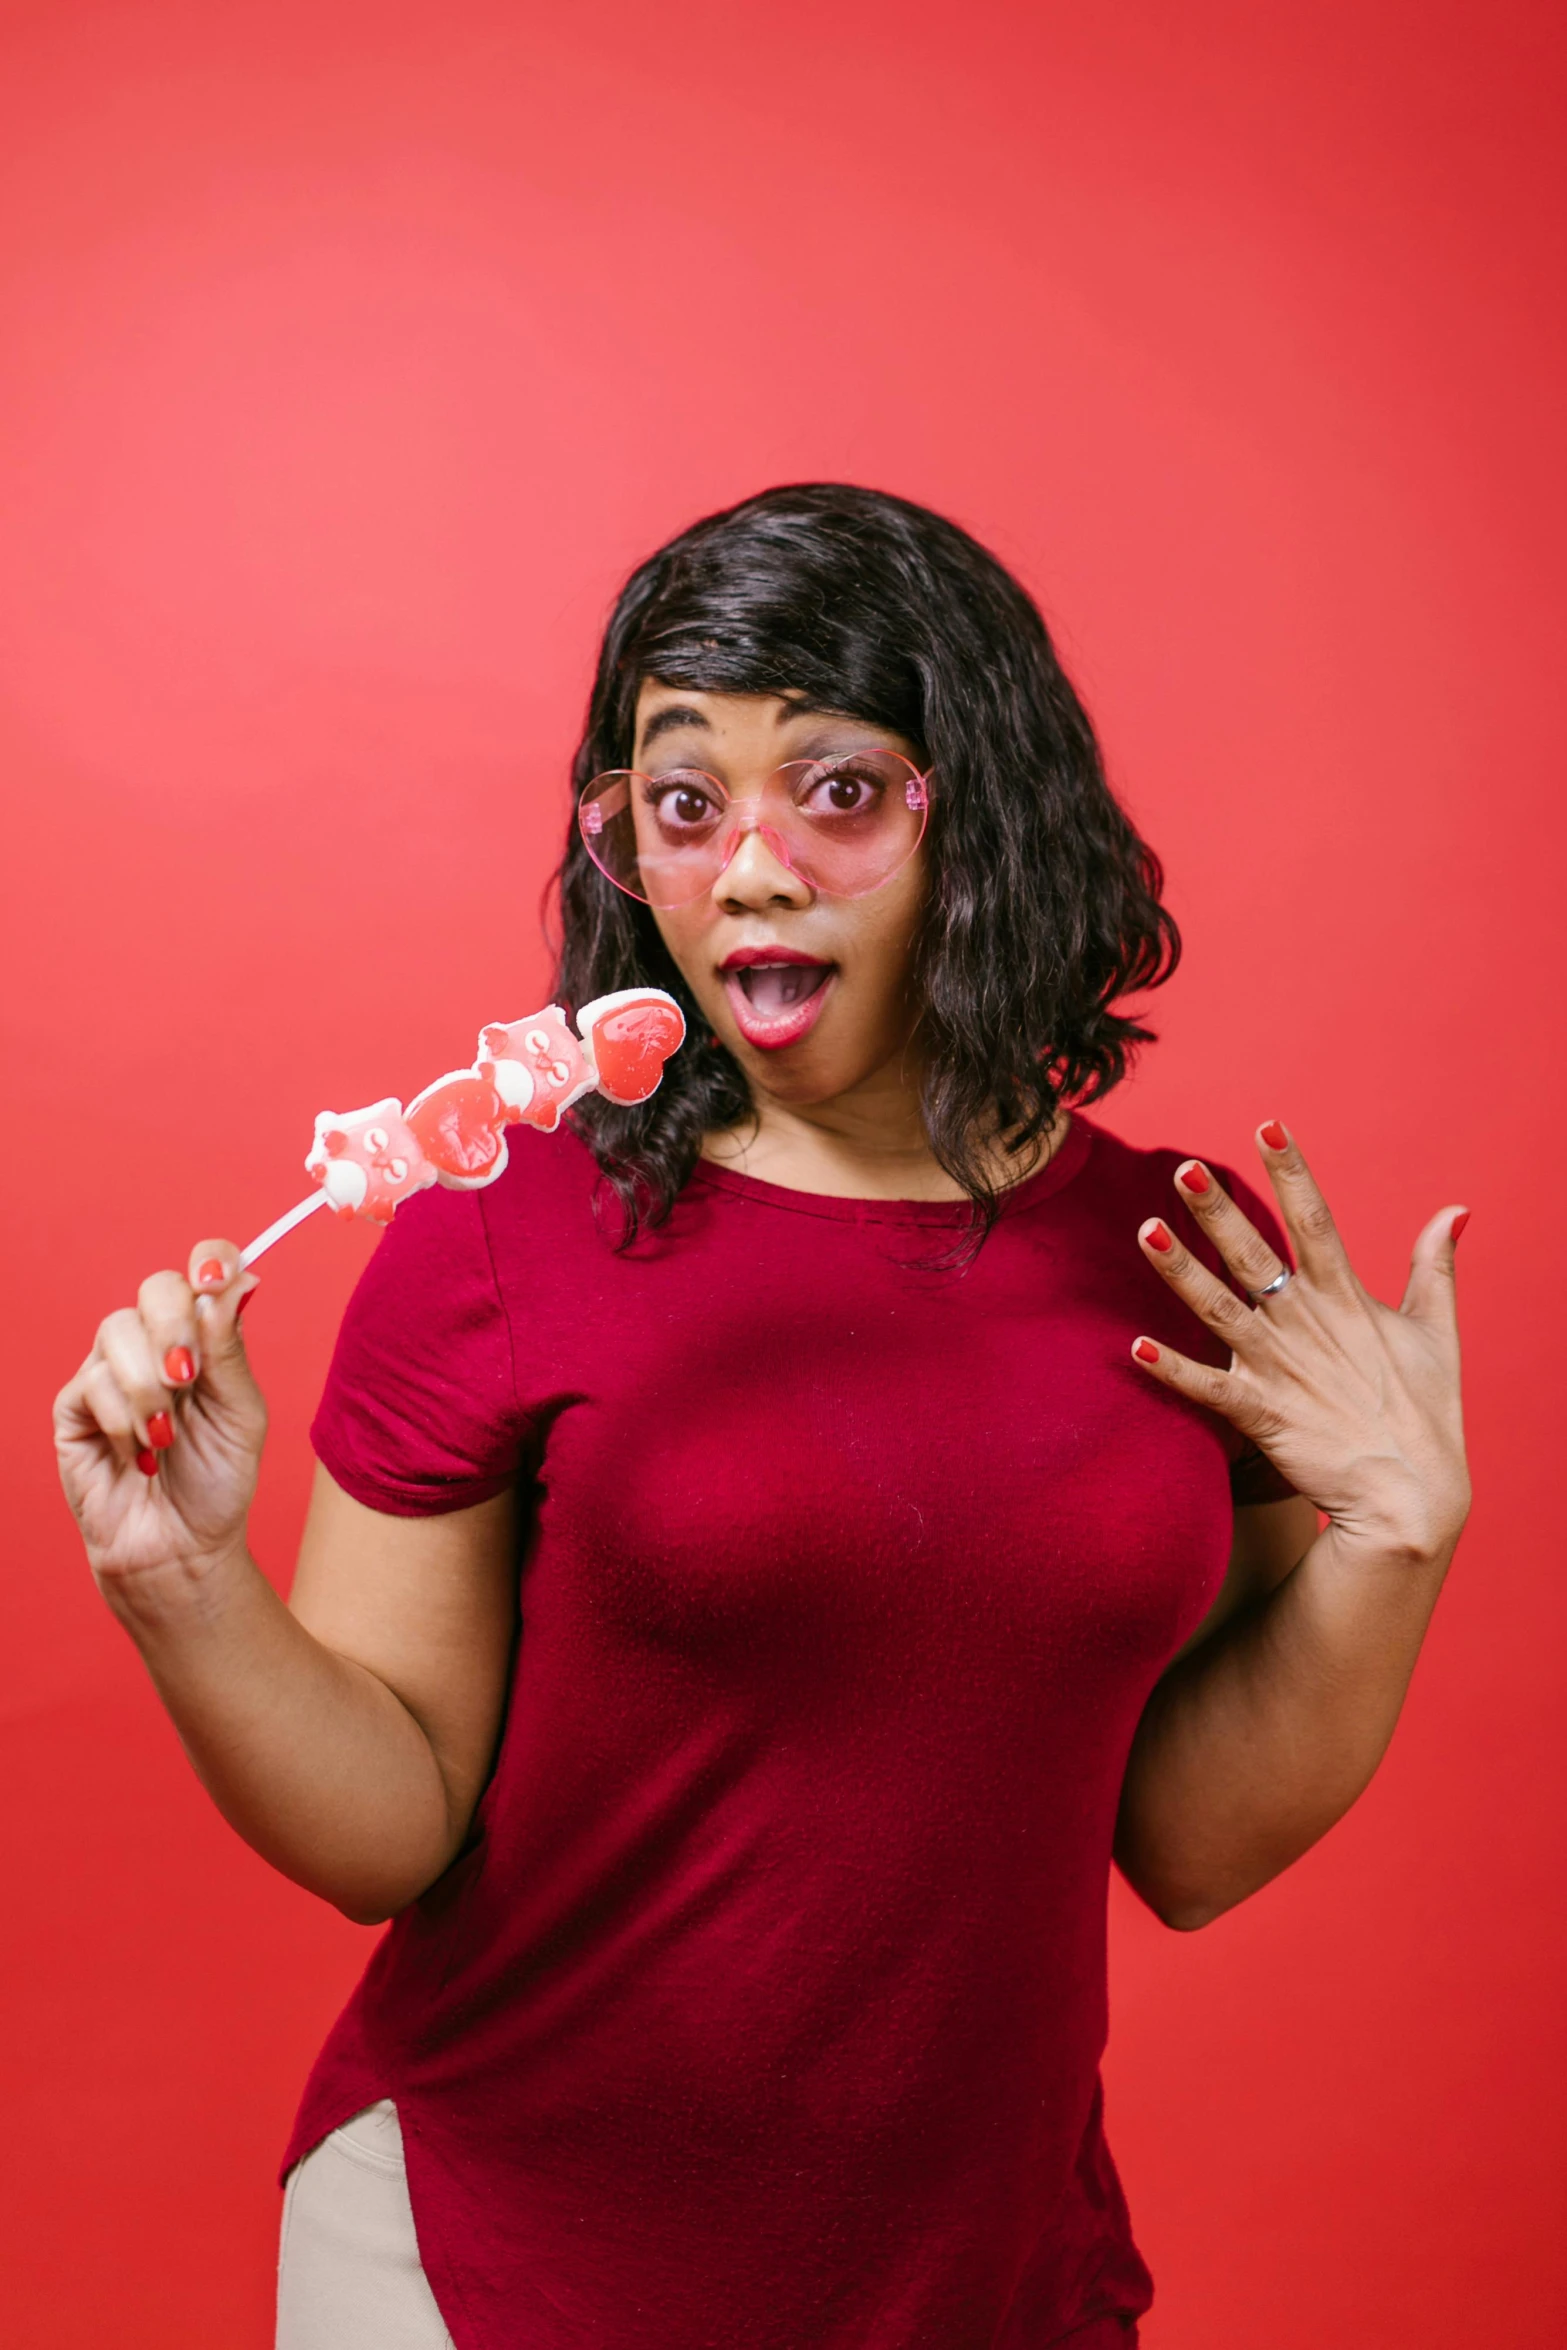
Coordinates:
366 1913
379 1901
369 1904
376 1905
1186 1916
1184 1908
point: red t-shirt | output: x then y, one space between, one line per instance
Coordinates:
764 2011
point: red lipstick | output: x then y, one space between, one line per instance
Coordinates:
777 994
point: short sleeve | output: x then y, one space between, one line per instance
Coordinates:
1253 1478
419 1414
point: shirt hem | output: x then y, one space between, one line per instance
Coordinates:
416 1502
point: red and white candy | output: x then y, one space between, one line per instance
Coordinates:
367 1162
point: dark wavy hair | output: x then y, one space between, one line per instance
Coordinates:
1043 909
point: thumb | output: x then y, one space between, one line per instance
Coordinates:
223 1291
1432 1294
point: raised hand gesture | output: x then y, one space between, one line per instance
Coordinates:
1356 1402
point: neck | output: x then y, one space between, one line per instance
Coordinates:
868 1143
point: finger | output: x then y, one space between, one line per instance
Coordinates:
1215 1390
214 1267
1211 1301
167 1308
91 1415
1253 1261
222 1291
1432 1294
1308 1220
123 1344
105 1406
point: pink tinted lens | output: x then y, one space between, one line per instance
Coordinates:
685 823
855 820
661 838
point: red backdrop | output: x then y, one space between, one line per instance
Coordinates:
352 355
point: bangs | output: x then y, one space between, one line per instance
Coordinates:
790 611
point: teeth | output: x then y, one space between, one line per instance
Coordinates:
777 987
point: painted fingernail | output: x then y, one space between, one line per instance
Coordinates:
243 1303
1194 1178
179 1364
1274 1135
1146 1351
1458 1224
1160 1236
211 1273
160 1431
147 1462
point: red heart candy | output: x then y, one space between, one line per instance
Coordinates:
631 1039
458 1122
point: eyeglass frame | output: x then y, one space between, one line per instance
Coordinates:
917 779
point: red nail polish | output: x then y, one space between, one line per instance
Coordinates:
1159 1236
147 1462
179 1364
160 1431
1146 1351
1195 1178
1274 1135
211 1273
243 1303
1458 1224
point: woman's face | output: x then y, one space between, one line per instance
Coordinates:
804 1031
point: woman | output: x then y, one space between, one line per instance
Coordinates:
915 1493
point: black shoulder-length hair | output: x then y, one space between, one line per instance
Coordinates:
1043 909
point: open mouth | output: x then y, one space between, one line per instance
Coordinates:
776 1003
776 987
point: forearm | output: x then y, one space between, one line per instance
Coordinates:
1255 1744
310 1757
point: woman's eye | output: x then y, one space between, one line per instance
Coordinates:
844 791
683 805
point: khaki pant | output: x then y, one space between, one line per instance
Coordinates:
349 2275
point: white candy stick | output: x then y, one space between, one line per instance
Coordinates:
263 1240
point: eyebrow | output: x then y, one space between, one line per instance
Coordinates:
679 715
670 721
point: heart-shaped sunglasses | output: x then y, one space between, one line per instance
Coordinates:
843 825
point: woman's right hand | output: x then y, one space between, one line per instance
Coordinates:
167 1388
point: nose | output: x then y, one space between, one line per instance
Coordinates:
758 874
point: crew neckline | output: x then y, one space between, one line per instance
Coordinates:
1057 1171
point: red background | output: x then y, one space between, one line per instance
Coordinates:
351 356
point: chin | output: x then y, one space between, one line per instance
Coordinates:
818 1069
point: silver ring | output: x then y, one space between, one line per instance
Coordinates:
1279 1281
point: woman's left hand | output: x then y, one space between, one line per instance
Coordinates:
1356 1403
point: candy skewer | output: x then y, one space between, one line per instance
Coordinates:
274 1232
366 1162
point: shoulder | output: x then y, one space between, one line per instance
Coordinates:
1115 1171
442 1252
1131 1169
1123 1180
421 1411
547 1187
